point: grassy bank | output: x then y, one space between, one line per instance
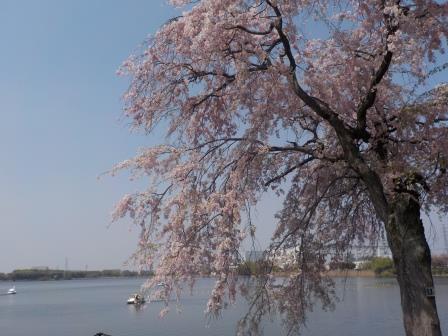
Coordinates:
351 273
381 267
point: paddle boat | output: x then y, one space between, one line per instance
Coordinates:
136 299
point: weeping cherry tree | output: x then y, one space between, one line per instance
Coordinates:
329 106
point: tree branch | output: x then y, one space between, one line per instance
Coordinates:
345 135
253 32
288 171
318 106
368 101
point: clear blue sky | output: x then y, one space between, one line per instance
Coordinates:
60 128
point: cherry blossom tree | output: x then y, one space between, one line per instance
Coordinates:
325 104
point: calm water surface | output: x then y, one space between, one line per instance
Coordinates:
370 307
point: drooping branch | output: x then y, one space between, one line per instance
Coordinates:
289 170
254 32
368 101
318 106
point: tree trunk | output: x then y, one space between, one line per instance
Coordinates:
412 259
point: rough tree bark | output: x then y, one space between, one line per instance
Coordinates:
412 259
407 241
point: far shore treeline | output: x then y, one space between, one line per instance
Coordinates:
50 274
376 266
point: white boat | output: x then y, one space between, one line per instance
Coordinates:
136 299
12 290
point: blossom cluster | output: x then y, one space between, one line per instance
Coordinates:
244 89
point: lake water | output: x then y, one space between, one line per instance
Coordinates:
370 307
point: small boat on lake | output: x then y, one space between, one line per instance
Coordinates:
12 290
136 299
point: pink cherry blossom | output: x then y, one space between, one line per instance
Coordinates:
342 123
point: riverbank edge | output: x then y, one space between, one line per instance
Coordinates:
354 274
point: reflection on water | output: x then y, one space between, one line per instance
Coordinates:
369 307
137 308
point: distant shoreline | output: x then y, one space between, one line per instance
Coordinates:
56 275
352 273
69 279
368 274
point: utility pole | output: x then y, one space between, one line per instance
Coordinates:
445 236
65 268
